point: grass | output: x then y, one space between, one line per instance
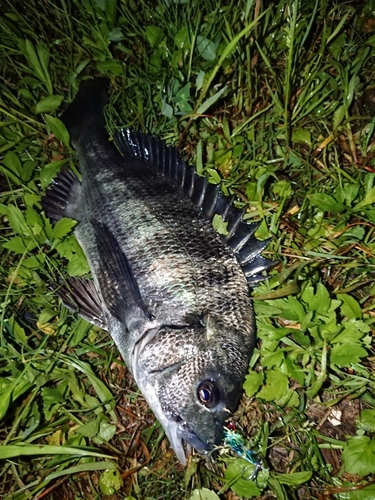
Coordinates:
277 103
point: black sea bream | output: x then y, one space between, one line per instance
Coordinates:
172 293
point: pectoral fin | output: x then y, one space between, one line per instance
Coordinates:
118 286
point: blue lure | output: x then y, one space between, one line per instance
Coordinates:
236 443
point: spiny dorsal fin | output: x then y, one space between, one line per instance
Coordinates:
206 196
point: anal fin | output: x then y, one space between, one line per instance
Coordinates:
80 296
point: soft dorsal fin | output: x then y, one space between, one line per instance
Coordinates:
206 196
62 194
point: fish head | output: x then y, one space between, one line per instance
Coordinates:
192 379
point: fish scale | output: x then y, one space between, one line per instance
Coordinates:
172 293
144 247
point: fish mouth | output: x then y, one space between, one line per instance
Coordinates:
182 438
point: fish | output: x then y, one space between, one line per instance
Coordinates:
172 292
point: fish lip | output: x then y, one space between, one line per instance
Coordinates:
182 437
191 438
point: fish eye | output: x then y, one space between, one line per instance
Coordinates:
209 393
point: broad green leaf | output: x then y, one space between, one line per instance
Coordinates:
18 331
294 370
252 383
77 265
293 310
360 490
155 61
210 101
318 300
52 397
107 431
58 129
14 451
182 38
50 171
326 202
63 227
271 359
166 109
31 200
48 104
294 478
68 247
302 135
200 79
5 399
110 7
33 219
353 83
338 116
238 473
214 177
206 48
219 225
353 331
359 456
346 193
337 45
357 232
20 385
76 390
366 421
45 315
276 386
183 93
115 35
19 245
44 57
103 392
204 494
93 402
340 355
27 170
154 35
12 162
369 199
110 67
38 58
110 481
81 329
350 307
35 261
17 221
90 429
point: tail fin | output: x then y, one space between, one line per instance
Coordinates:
86 112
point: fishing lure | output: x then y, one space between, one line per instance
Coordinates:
236 443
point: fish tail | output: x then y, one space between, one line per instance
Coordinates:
85 115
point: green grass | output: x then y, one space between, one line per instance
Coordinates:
275 102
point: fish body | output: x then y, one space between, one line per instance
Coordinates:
173 295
